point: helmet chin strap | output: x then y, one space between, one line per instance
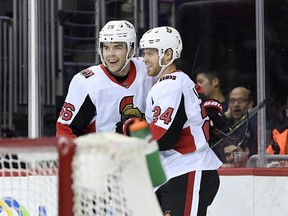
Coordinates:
127 60
163 67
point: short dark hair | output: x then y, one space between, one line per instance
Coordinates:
212 72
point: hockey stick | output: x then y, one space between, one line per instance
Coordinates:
244 119
196 56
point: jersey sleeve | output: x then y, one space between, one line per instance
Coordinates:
169 116
77 111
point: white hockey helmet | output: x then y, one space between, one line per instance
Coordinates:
118 31
163 38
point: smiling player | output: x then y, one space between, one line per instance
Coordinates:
101 96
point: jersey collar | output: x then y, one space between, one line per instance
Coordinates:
130 78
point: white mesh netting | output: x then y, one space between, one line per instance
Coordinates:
28 181
110 177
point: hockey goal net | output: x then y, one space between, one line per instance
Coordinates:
97 174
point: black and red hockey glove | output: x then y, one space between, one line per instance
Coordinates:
122 126
213 109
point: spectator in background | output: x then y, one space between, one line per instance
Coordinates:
212 83
283 124
279 143
245 136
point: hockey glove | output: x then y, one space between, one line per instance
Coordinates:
122 126
213 109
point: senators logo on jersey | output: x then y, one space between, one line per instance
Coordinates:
127 108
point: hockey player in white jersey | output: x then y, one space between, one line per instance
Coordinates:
102 95
180 124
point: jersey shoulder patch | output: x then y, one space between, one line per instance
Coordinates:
87 73
168 77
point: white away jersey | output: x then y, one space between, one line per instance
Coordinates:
96 100
180 125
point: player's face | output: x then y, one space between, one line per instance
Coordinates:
151 60
114 55
205 84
